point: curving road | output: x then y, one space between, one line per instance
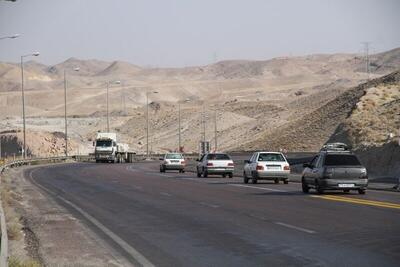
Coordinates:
177 219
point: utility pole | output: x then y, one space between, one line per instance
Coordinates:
366 56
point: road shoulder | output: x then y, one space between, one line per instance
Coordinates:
37 217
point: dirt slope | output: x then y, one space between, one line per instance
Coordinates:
316 128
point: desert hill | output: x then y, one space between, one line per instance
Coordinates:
257 103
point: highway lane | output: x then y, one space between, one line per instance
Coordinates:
174 219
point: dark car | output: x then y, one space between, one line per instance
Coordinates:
335 168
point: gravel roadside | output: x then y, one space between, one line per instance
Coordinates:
45 233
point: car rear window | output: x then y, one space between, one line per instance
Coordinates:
341 160
173 156
270 157
218 157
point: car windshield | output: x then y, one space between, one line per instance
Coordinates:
270 157
341 160
218 157
103 143
173 156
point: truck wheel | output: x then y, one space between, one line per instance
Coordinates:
224 175
362 191
230 175
286 181
304 186
346 190
276 181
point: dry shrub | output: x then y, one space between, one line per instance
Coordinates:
15 262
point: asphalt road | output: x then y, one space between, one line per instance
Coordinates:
174 219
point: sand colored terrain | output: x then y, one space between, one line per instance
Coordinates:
254 101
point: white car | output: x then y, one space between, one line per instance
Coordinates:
173 161
215 163
266 166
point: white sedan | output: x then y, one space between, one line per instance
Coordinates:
266 166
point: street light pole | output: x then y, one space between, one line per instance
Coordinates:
147 121
147 124
108 121
179 123
65 110
215 129
23 99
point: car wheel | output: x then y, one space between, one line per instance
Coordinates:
319 189
362 191
276 181
253 178
245 178
198 173
183 171
230 175
304 186
286 181
205 174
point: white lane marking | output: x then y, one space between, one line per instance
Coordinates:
260 188
165 194
209 205
295 227
128 249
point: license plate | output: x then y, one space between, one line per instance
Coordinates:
174 161
346 185
274 168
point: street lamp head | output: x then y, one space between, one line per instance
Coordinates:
14 36
36 54
117 82
155 92
77 69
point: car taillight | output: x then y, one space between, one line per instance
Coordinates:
183 162
260 168
230 164
286 168
209 164
364 174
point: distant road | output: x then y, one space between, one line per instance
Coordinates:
172 219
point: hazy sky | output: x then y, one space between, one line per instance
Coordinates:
194 32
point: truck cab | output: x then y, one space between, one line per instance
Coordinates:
106 147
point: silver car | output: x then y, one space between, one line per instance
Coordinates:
266 166
173 161
215 163
335 169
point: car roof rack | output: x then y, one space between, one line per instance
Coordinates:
336 147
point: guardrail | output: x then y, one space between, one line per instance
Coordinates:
13 164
